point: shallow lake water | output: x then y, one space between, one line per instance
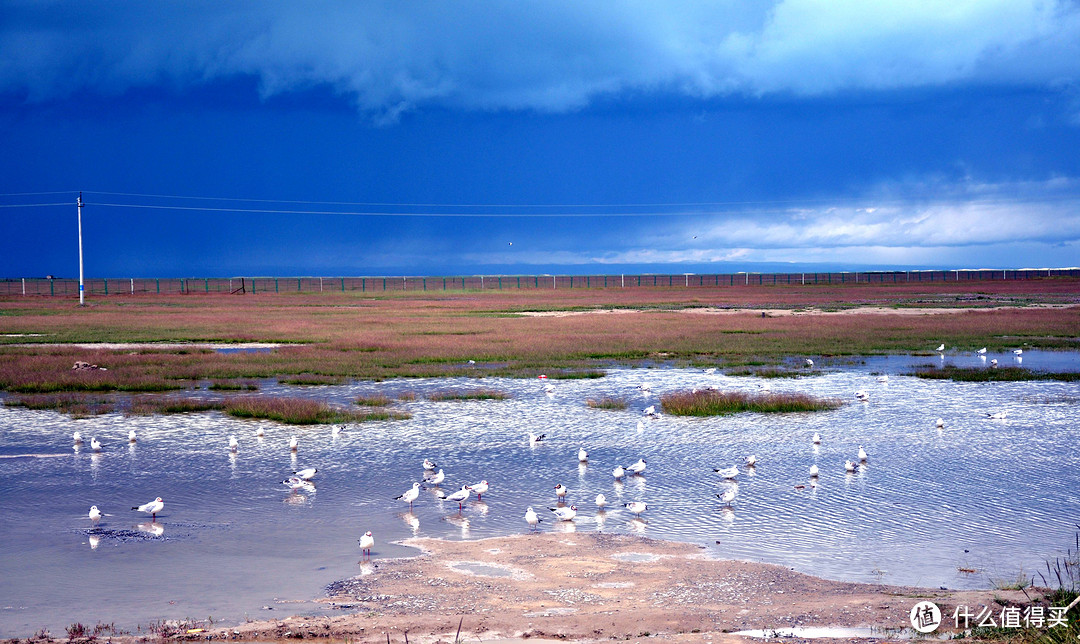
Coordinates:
994 496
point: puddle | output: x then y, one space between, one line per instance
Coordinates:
550 612
481 569
636 557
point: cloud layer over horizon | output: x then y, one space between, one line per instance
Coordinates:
386 58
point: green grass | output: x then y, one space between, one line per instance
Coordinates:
72 404
607 402
988 374
300 411
233 385
720 403
378 400
475 394
311 379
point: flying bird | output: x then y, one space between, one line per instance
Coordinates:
151 508
410 494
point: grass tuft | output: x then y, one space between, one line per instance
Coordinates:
984 374
475 394
711 402
607 402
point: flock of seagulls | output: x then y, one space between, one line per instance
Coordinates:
434 476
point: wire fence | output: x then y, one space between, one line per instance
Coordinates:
66 287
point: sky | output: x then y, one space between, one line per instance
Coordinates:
526 137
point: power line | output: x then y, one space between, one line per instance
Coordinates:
33 205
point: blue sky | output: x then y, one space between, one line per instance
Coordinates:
340 138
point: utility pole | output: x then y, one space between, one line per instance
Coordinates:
81 291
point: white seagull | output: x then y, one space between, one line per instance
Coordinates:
862 453
564 513
582 455
636 468
77 437
1018 352
437 477
601 501
618 472
817 438
260 432
710 370
727 472
295 482
480 488
883 378
151 508
410 494
429 465
293 444
95 444
531 518
132 437
809 362
233 443
862 395
549 388
307 473
940 422
850 467
813 471
728 496
981 351
649 411
751 460
941 347
460 496
637 507
998 415
535 438
337 430
95 514
560 491
645 386
366 542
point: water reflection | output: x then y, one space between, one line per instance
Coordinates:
151 527
93 540
876 515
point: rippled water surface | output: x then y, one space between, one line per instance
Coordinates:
995 496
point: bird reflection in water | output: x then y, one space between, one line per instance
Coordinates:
565 526
366 568
152 528
461 522
412 521
94 540
481 507
637 525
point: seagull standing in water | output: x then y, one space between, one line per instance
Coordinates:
293 444
94 514
582 455
940 422
813 471
981 351
77 437
727 472
366 542
862 454
560 491
637 507
728 496
95 444
941 347
480 488
233 443
618 472
817 438
429 465
601 501
410 494
132 437
460 496
998 415
151 508
636 468
1017 352
564 513
751 461
850 467
436 478
531 518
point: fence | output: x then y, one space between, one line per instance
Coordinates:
184 285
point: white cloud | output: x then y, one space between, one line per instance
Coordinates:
389 57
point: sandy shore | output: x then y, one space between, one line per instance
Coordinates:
591 586
807 311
